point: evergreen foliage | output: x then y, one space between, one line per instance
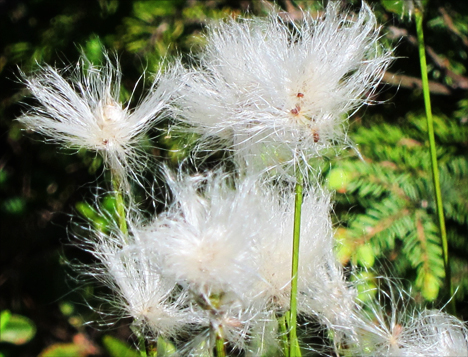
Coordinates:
389 199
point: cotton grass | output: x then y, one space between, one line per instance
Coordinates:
279 92
214 267
80 107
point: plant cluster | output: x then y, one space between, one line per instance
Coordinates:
240 254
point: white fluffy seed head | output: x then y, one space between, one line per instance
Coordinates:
220 258
223 237
204 238
139 288
390 325
378 327
230 318
205 243
281 92
80 107
319 273
434 333
329 297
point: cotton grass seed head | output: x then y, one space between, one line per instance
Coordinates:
391 325
204 237
434 333
273 247
281 91
224 236
139 290
80 107
413 333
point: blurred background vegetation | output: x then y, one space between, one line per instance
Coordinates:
385 212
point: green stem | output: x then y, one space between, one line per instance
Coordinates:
152 348
220 350
283 330
435 169
120 205
142 348
294 350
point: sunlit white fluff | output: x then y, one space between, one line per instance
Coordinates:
139 288
323 292
235 237
204 242
389 326
273 246
281 92
204 238
80 107
377 328
330 298
434 333
226 236
225 316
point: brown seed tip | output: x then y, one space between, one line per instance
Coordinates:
316 137
296 110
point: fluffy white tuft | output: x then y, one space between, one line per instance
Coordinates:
229 244
142 291
220 236
389 326
280 92
273 246
203 239
434 333
80 107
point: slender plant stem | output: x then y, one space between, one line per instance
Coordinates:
142 343
435 169
294 350
120 205
220 350
152 347
283 330
214 303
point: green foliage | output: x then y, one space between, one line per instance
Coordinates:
117 348
152 30
80 347
392 197
165 348
403 8
15 329
103 219
63 349
14 205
